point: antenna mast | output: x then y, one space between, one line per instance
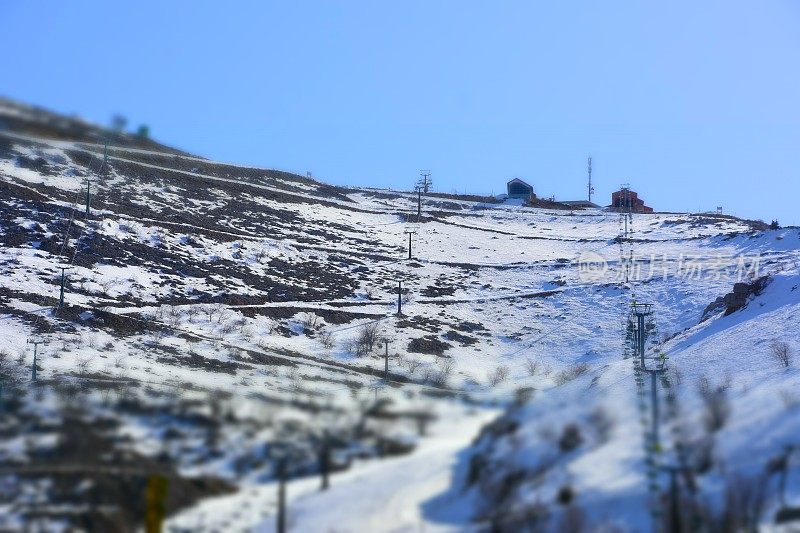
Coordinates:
591 189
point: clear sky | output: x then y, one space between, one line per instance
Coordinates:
695 104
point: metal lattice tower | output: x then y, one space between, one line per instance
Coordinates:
640 344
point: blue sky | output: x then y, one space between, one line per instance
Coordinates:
696 104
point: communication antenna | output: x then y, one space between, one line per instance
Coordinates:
591 189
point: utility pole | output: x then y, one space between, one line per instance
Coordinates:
654 372
626 203
423 185
675 503
325 461
399 298
425 181
591 189
281 518
409 232
88 198
643 311
386 359
674 500
376 387
63 282
36 341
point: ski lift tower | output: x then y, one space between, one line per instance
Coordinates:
410 230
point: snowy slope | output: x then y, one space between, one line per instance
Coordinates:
209 278
606 473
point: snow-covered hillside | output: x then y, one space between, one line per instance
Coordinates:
730 407
217 317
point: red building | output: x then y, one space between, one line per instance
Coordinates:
625 199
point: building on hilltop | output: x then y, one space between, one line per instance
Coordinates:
520 190
625 200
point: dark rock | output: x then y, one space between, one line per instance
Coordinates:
464 340
736 299
428 346
741 288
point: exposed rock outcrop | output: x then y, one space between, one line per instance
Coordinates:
737 298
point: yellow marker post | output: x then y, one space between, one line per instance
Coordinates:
156 503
